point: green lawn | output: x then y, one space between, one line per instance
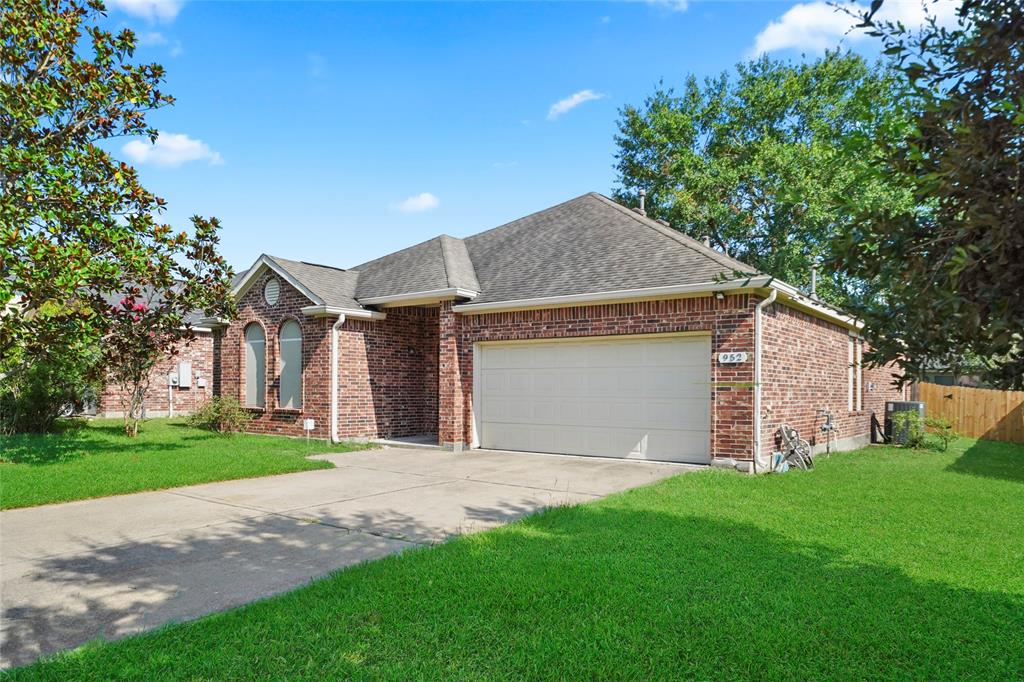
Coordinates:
97 460
878 564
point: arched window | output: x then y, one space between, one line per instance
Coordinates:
291 365
255 366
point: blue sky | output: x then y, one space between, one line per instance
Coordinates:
336 132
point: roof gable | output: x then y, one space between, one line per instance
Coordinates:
321 284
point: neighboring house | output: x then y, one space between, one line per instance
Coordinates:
180 382
583 329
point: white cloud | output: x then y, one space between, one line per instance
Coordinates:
153 10
151 39
176 49
571 102
171 150
418 203
606 20
816 26
671 5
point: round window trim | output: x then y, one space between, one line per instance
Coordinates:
271 291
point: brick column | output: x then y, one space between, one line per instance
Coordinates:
451 426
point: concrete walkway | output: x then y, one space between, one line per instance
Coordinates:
119 565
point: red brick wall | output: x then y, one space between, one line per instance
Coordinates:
388 374
805 369
730 322
230 349
199 351
387 369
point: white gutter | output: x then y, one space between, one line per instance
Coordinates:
757 375
331 311
334 376
608 296
421 296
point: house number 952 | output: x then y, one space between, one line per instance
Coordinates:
732 358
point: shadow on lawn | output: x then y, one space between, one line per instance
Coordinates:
992 459
574 593
68 446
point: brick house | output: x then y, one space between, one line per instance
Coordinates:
179 384
586 329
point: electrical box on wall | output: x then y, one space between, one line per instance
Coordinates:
184 375
200 382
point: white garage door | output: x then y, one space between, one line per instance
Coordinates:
636 397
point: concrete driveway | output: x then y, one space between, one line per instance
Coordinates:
119 565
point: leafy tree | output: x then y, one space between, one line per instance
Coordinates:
756 161
945 273
75 223
149 323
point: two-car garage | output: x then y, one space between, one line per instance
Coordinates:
634 397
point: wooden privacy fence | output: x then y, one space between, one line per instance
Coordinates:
977 412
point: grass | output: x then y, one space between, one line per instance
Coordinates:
880 564
95 459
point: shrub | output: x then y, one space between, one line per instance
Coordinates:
942 429
908 429
33 395
222 414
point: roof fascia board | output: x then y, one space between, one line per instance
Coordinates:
433 295
264 263
613 296
797 299
331 311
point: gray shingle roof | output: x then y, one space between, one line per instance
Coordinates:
589 244
439 263
586 245
334 286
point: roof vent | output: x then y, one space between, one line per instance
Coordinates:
664 222
643 197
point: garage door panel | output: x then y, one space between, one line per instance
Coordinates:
630 397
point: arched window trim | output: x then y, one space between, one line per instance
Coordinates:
289 391
255 366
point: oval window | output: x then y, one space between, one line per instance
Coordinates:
271 291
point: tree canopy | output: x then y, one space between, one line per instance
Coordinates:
944 274
757 162
75 223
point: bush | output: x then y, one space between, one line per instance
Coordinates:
942 429
33 396
222 414
908 429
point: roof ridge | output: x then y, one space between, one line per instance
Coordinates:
448 258
677 236
303 262
394 253
444 259
530 215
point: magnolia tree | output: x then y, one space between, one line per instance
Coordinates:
76 224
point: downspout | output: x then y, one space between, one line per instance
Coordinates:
335 328
757 375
